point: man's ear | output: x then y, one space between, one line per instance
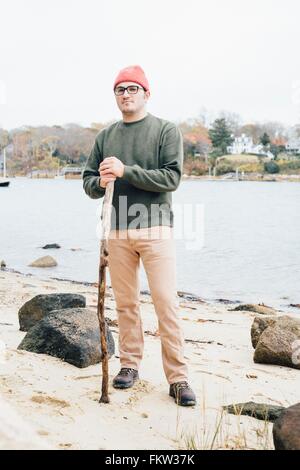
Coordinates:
147 94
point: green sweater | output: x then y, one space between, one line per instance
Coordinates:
152 152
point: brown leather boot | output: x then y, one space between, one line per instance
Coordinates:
125 378
183 394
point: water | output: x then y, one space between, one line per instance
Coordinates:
251 246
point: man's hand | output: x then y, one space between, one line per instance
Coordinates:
111 166
106 179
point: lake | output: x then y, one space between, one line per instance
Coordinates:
251 249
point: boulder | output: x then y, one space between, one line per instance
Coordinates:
286 429
279 343
40 305
258 326
44 262
71 334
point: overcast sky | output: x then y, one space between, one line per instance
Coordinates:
59 58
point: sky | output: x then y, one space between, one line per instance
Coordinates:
59 58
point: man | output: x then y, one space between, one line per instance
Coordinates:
143 155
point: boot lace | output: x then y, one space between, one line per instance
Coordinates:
125 371
181 386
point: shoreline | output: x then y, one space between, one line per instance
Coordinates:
189 296
59 402
276 178
258 177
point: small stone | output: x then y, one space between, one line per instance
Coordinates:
51 246
261 411
44 262
257 308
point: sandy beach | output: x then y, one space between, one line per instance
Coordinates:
47 403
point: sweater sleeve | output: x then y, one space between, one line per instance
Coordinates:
91 175
167 177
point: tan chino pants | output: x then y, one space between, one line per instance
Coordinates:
155 246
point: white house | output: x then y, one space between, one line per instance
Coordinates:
293 146
244 144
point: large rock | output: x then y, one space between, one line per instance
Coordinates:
40 305
70 334
258 326
286 429
44 262
280 343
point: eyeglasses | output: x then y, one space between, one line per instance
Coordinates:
131 89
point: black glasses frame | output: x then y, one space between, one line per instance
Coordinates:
123 88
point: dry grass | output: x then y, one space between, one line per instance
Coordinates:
239 158
216 430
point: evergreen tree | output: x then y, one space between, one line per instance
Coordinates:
265 139
220 136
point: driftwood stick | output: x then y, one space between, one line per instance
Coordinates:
106 218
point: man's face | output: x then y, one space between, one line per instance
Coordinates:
132 103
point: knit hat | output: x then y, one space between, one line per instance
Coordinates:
133 73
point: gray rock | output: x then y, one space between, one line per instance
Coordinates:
190 296
44 262
51 246
70 334
40 305
227 301
260 411
286 429
279 343
258 326
257 308
2 264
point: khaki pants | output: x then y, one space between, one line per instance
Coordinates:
156 248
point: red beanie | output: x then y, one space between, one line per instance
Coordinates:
133 73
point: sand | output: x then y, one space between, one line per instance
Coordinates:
46 403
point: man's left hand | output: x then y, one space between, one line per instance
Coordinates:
112 165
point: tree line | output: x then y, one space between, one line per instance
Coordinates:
49 148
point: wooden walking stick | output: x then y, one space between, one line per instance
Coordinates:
106 216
